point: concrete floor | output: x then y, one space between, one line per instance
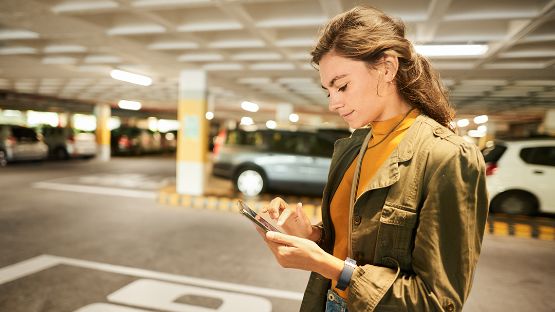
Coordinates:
91 250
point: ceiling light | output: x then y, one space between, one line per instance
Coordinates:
483 128
64 49
136 30
237 43
256 56
201 57
249 106
59 60
476 133
173 45
293 117
481 119
461 123
270 124
74 6
223 66
247 121
130 77
452 49
272 66
209 115
131 105
17 34
17 50
209 26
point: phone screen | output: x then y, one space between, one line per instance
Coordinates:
256 218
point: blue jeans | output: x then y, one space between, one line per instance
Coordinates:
335 303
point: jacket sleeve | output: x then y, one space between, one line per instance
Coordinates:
447 241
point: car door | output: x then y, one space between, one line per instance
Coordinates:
541 174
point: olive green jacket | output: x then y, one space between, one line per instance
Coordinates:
417 228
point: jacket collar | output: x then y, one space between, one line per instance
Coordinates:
388 173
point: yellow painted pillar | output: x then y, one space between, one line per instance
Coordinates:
103 113
192 139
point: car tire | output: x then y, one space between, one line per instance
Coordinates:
250 181
60 153
3 159
515 203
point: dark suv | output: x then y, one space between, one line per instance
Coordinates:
261 160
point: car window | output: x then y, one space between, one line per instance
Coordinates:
542 155
493 154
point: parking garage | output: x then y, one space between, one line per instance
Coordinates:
125 125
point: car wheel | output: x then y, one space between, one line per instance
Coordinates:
60 153
250 181
515 203
3 159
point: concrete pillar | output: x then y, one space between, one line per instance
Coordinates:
192 143
103 113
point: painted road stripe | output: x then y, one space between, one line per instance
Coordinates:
95 190
39 263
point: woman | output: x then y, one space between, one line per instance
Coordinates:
405 206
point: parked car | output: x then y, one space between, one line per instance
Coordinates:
520 176
133 140
20 143
257 161
64 143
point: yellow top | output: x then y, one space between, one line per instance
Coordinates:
371 162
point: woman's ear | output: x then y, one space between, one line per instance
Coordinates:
391 65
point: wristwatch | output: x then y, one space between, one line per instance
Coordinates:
346 274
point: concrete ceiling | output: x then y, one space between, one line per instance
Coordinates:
258 50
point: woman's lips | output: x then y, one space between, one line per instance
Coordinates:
347 115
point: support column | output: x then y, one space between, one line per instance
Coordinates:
192 143
103 113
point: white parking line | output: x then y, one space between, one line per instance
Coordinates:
39 263
95 190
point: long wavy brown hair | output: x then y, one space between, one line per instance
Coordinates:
367 34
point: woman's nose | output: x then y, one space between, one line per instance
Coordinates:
334 102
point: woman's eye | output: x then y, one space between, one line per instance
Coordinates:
343 88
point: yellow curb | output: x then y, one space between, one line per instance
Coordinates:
500 228
546 232
523 230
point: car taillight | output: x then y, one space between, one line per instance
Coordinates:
491 168
71 139
11 140
218 142
124 141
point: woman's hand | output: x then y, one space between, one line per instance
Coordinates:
300 253
293 222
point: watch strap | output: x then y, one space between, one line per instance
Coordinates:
346 274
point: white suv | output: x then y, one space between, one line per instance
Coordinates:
521 176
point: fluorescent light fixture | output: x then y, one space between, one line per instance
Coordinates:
200 57
80 6
209 115
272 66
209 26
222 66
292 21
101 59
293 117
270 124
64 49
247 121
296 42
461 123
254 80
136 30
237 43
130 105
249 106
17 50
481 119
59 60
452 49
253 56
173 45
131 77
476 133
483 128
17 34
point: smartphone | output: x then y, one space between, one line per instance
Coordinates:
255 218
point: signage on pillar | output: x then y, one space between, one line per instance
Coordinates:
191 127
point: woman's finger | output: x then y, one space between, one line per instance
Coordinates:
276 206
285 216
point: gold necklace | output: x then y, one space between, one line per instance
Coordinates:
392 129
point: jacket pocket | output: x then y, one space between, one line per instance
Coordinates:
395 237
